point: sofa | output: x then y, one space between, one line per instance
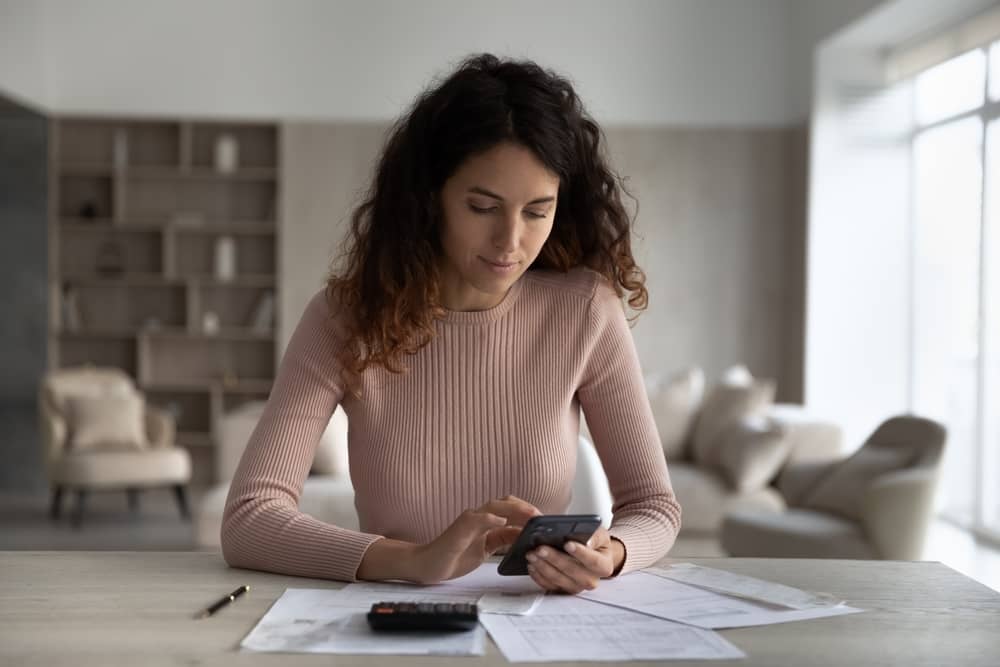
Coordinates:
705 490
728 447
877 503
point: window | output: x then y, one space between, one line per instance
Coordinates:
950 88
955 323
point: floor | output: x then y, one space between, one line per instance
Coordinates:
107 525
157 526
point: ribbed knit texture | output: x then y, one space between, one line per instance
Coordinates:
490 407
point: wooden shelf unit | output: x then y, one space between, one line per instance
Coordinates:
136 209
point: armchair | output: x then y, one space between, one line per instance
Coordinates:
98 434
875 504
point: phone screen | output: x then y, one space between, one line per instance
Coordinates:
552 530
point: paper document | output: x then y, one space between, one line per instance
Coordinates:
328 621
569 628
740 585
509 603
669 599
333 621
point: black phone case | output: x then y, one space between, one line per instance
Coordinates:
552 530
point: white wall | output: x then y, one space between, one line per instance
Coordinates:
679 62
813 21
24 72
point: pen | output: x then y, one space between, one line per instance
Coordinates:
224 601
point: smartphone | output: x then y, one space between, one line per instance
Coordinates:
552 530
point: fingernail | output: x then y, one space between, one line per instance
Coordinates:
530 558
571 546
543 552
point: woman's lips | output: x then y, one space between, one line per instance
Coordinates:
501 268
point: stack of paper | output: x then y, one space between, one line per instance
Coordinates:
655 614
716 599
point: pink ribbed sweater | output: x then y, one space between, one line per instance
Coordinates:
490 407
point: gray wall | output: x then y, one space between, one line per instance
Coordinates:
721 223
23 290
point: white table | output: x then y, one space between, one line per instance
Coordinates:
136 608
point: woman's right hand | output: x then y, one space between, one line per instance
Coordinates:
473 537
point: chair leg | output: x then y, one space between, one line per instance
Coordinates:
181 494
81 501
56 506
133 500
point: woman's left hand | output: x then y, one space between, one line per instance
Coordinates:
580 567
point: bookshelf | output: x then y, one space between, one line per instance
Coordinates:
163 261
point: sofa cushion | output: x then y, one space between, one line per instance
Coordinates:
108 422
725 405
843 488
675 401
111 469
752 452
705 497
796 533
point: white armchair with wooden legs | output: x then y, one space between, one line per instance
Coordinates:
98 434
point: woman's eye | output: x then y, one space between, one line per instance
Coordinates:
490 209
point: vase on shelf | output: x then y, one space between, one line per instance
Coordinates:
210 323
88 210
119 148
263 315
225 259
226 153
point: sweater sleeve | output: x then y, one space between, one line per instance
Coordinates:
262 527
646 514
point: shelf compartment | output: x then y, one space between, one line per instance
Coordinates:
257 144
90 143
195 254
201 174
161 198
80 190
120 353
235 306
140 251
205 360
191 409
118 305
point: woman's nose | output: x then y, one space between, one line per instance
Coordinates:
507 235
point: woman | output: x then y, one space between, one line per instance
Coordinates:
477 311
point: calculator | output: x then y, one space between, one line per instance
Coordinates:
430 616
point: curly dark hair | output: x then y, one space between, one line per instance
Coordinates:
389 284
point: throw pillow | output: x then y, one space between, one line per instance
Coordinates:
752 452
725 406
675 402
113 422
842 489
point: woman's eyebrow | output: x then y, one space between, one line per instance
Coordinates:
483 191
